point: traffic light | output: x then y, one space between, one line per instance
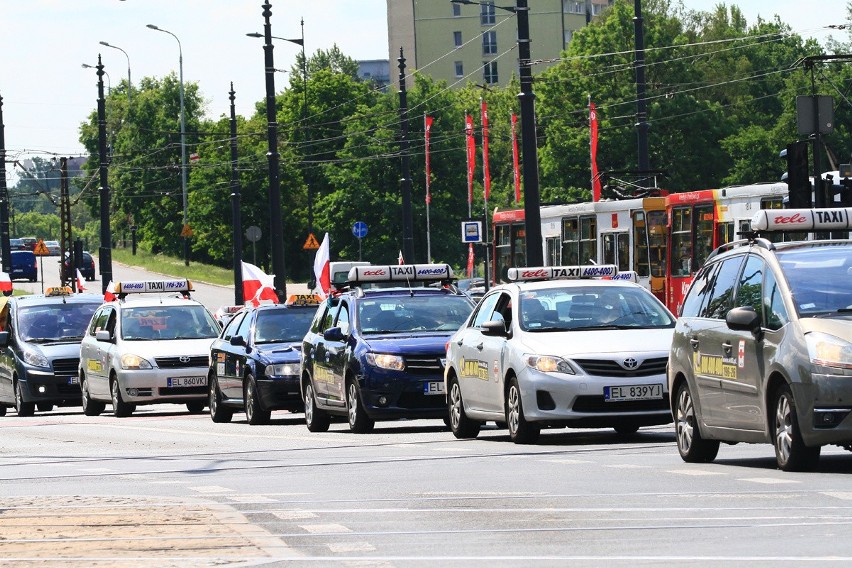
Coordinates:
798 184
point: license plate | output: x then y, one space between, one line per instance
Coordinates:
433 388
633 392
186 382
73 380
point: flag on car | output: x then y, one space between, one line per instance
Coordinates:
399 259
80 287
109 293
257 285
322 267
5 284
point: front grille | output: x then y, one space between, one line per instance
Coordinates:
65 367
423 365
176 363
598 404
416 401
610 368
171 391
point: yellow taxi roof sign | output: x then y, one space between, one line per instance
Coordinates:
303 300
58 291
41 249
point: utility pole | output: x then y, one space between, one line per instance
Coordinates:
5 250
641 103
407 214
235 207
105 250
65 242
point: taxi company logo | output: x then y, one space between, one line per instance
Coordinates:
796 219
474 369
630 363
714 366
374 272
535 273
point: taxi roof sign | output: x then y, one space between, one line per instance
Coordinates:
303 300
562 272
400 273
152 286
58 291
829 219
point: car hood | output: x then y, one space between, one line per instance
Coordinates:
173 348
397 344
837 326
603 342
279 352
65 350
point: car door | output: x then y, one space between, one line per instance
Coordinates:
7 357
235 358
471 363
223 362
97 356
494 354
338 353
319 361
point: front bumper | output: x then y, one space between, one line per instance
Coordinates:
282 393
45 386
389 395
149 386
825 407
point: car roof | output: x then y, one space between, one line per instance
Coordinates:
391 292
567 283
153 301
70 299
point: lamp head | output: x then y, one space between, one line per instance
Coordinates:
254 34
104 43
152 26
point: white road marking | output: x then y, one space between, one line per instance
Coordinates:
97 470
768 480
567 461
628 466
293 515
326 528
845 495
250 499
351 547
694 472
211 489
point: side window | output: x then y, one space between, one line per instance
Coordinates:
110 321
98 321
243 329
319 317
343 318
330 316
722 294
773 304
504 309
231 328
483 312
750 286
697 296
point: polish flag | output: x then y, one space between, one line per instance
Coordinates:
322 267
5 284
109 295
257 285
80 287
399 259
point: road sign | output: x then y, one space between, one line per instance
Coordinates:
359 229
311 243
186 231
41 249
253 233
471 231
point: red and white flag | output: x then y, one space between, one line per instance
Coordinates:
427 127
109 295
399 259
322 267
593 144
470 260
486 172
515 166
257 285
80 287
471 155
5 284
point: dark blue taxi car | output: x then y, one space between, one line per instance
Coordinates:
378 354
254 363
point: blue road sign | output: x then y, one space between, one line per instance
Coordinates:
359 229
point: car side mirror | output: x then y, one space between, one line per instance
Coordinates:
237 341
103 335
4 338
744 318
333 334
495 328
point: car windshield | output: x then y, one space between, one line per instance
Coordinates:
167 322
55 322
282 325
819 276
393 314
591 307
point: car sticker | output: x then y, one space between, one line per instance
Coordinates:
741 354
220 369
473 369
496 370
220 357
714 366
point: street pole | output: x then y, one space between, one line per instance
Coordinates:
276 228
235 207
641 103
105 250
65 242
5 249
129 83
407 214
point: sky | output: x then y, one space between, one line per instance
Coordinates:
47 94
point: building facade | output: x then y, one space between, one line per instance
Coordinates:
461 43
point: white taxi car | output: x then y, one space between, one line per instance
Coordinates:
560 347
151 345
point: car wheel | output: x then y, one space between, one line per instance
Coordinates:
120 409
791 453
218 412
626 429
520 431
254 413
316 419
462 426
359 422
22 408
90 407
691 446
195 406
44 406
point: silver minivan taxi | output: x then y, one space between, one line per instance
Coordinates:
762 351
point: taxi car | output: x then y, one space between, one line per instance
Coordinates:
40 348
762 351
560 347
224 314
378 353
254 364
151 345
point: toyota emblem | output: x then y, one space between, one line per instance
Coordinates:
630 363
184 359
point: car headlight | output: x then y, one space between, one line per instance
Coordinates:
35 359
549 364
283 369
383 361
130 361
828 350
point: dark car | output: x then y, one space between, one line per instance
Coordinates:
379 354
87 269
17 244
254 364
40 349
24 265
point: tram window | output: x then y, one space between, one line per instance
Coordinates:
570 241
703 233
657 242
681 240
724 233
588 240
609 248
623 249
552 244
640 244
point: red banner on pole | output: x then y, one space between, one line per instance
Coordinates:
515 166
471 155
593 125
427 127
486 173
470 260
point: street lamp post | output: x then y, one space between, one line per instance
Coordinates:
185 230
109 81
129 84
